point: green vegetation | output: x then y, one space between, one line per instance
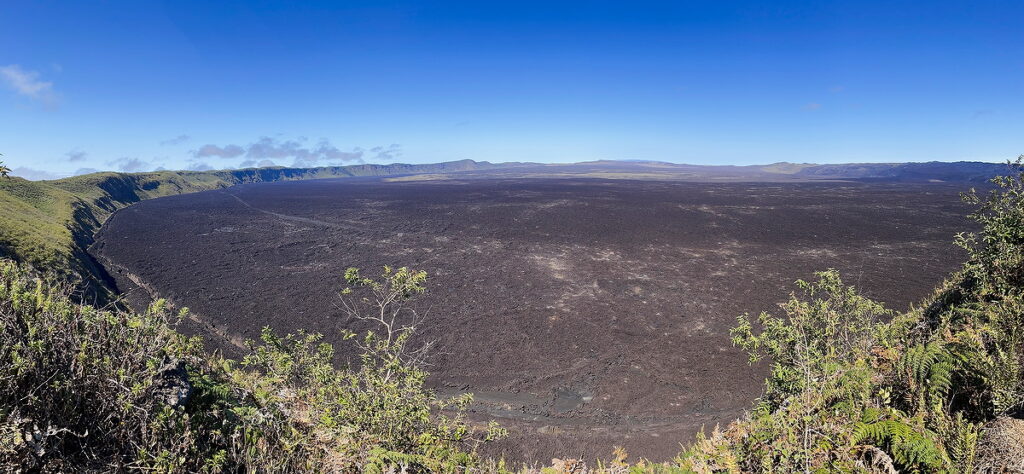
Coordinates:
85 389
49 224
853 387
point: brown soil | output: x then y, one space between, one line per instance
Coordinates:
584 313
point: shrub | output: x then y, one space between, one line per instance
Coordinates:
852 388
87 389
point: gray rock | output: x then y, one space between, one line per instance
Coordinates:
172 386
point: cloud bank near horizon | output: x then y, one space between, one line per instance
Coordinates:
266 151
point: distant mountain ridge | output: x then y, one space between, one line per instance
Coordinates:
963 171
49 224
960 171
933 170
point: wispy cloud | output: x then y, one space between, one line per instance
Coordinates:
199 166
28 84
812 106
214 151
76 155
178 140
85 171
837 89
387 153
256 164
129 164
32 174
267 148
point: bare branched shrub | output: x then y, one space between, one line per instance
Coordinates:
385 302
391 375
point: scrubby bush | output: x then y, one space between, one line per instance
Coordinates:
82 387
87 389
852 388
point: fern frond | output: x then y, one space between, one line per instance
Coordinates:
908 447
940 380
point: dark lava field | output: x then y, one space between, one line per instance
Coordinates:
583 313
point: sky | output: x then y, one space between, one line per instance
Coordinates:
140 85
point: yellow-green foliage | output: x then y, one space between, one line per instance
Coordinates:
48 223
852 390
35 222
84 389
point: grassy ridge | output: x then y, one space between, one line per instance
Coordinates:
50 224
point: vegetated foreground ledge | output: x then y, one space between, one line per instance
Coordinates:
584 313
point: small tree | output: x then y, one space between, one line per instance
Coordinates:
819 380
387 396
4 170
386 302
997 258
832 324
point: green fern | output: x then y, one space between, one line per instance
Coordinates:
909 447
940 381
961 442
930 368
920 358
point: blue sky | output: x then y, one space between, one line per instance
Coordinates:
135 85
